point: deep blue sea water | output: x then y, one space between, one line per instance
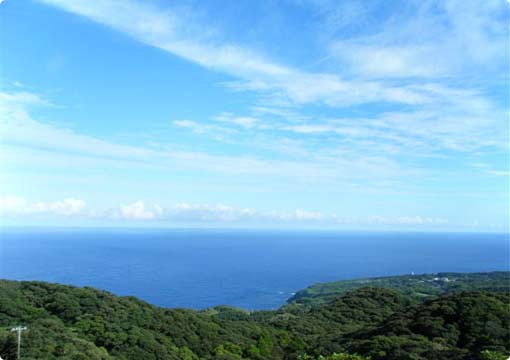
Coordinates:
243 268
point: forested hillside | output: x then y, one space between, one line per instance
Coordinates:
420 287
370 322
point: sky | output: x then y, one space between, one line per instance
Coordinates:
294 113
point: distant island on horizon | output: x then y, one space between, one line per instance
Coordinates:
425 316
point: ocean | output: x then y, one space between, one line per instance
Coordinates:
243 268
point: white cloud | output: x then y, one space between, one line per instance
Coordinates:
12 206
303 215
136 211
66 207
221 212
212 213
406 220
17 207
204 212
387 61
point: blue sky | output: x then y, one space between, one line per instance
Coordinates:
293 113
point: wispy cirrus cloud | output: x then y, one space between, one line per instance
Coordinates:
201 128
174 31
246 122
465 123
21 135
371 58
418 39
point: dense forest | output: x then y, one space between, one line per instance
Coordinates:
442 316
419 287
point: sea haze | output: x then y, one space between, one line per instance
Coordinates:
248 269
